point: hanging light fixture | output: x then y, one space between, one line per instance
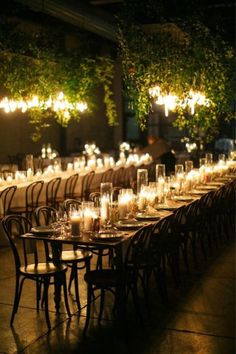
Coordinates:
171 102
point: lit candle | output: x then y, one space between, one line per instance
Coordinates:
75 224
88 218
104 210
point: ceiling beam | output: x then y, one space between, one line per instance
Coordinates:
84 17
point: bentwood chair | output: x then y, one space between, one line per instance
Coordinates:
70 185
85 187
52 188
107 175
76 259
70 205
28 266
6 196
120 280
32 195
69 189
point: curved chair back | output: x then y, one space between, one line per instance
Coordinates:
86 185
45 215
107 175
70 186
52 190
71 204
6 196
118 177
14 226
33 192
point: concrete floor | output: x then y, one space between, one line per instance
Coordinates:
200 318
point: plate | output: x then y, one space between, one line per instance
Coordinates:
166 207
107 236
208 188
144 216
42 230
198 192
129 224
183 199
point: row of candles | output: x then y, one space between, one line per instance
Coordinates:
80 164
186 178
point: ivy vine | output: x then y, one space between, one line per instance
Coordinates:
37 66
179 57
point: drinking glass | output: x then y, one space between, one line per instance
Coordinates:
142 178
221 158
209 159
179 169
188 166
29 160
160 171
202 162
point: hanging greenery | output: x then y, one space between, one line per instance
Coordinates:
179 58
38 66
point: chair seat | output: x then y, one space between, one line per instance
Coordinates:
74 256
42 269
105 278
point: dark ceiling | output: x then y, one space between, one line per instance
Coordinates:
99 16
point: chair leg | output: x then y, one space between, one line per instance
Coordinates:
89 299
45 296
71 279
16 300
38 292
102 300
65 294
76 285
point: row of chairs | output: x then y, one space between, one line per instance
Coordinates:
150 251
122 177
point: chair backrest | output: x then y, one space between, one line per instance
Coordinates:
86 185
95 197
165 237
70 186
107 175
32 194
51 191
6 196
45 215
138 249
14 226
71 204
118 177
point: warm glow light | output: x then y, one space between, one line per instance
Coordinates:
59 104
171 101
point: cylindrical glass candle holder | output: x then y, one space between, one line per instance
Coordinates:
142 178
75 220
160 171
106 189
88 214
209 159
188 166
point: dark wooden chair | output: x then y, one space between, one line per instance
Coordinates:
42 273
107 175
120 280
76 259
52 188
86 186
71 205
32 195
69 192
6 196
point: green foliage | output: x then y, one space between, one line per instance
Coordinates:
37 65
179 58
